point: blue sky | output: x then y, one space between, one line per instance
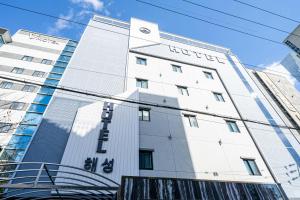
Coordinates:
250 50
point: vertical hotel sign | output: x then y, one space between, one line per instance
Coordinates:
107 165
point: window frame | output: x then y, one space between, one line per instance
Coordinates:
142 81
176 68
208 75
141 117
27 58
17 70
218 96
144 61
15 105
145 152
194 117
181 89
38 74
249 167
4 84
2 125
29 86
231 129
46 62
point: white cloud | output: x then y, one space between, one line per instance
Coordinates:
61 23
97 5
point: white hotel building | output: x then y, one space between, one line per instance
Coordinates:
138 102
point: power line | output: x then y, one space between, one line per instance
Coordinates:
241 18
157 6
267 11
209 22
143 103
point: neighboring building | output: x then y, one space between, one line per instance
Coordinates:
293 40
28 63
136 101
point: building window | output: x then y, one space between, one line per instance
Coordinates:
5 127
46 62
219 96
141 83
144 114
28 88
17 105
17 70
192 120
1 41
233 126
6 85
251 167
38 74
141 61
208 75
27 58
177 68
183 90
146 159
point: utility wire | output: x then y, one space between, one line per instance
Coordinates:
238 17
143 103
209 22
153 5
267 11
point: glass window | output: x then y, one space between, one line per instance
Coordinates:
17 70
141 83
19 142
46 62
28 88
5 127
64 58
144 114
145 159
27 58
66 53
42 99
251 167
51 82
72 43
58 70
25 129
32 118
69 48
183 90
6 85
38 74
61 64
176 68
46 90
208 75
233 126
54 76
17 105
37 108
141 61
192 120
12 154
219 96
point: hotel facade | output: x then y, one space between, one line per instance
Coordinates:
144 107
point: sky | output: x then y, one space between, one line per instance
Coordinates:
250 50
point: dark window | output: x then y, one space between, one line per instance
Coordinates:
192 120
17 70
141 61
6 85
251 167
141 83
177 68
146 160
144 114
28 88
46 62
183 90
208 75
17 105
233 126
219 96
27 58
38 74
